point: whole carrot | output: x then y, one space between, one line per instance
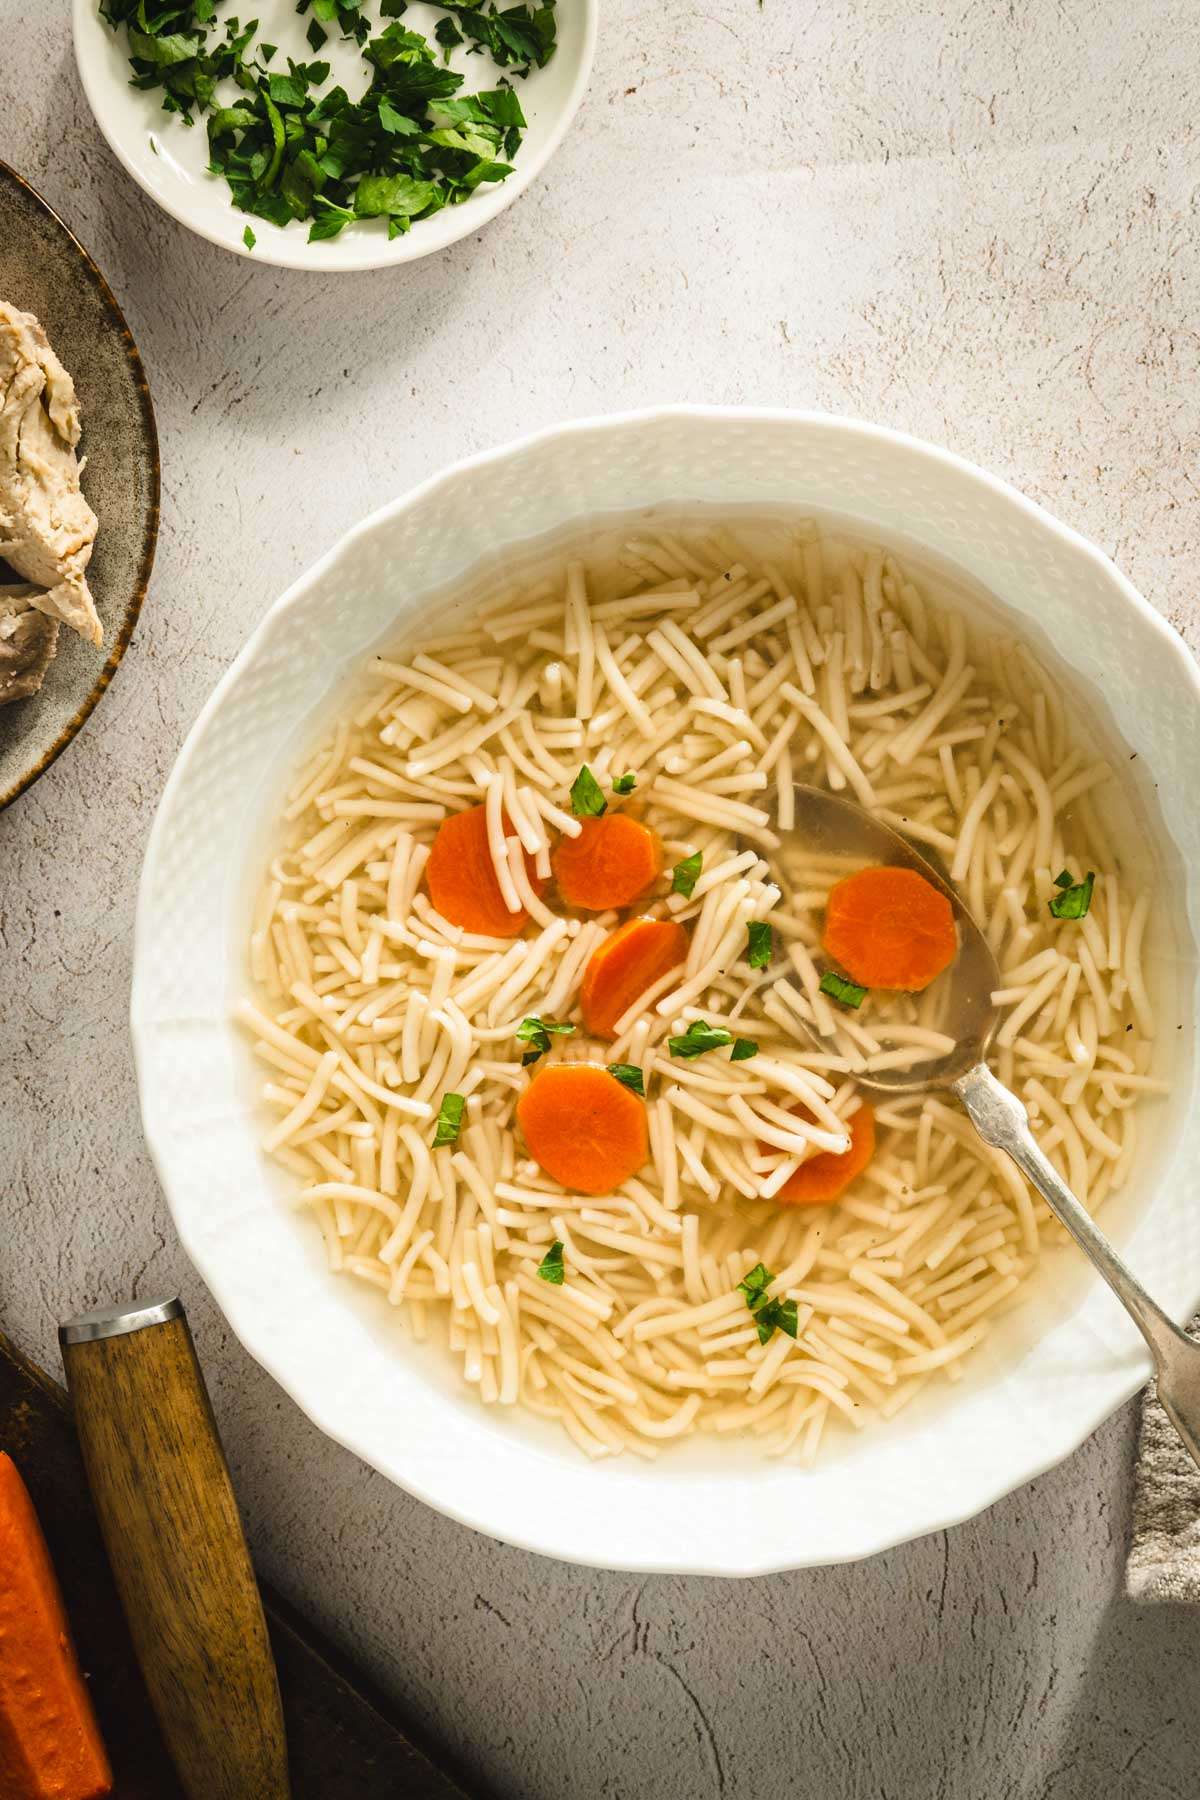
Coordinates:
50 1746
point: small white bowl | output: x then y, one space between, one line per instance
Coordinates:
169 158
1052 1369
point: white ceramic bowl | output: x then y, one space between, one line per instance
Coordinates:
168 158
1051 1371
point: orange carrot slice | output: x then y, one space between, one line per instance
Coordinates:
825 1176
583 1127
611 863
50 1747
462 880
630 960
890 928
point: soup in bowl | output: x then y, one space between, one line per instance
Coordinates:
505 1022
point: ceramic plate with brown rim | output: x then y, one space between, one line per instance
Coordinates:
45 271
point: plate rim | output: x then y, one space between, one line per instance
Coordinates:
133 606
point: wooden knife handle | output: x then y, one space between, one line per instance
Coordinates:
170 1522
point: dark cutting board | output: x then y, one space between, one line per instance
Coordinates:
344 1739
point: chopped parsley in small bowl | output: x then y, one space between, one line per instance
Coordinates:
326 136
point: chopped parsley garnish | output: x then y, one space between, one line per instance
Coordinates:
842 989
537 1033
768 1315
447 35
449 1120
698 1038
753 1285
587 796
776 1315
685 875
290 147
551 1266
1074 897
624 784
249 239
1064 878
630 1076
743 1050
519 38
758 948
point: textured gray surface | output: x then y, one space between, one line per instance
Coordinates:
977 222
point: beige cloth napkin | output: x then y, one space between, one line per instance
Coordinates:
1164 1556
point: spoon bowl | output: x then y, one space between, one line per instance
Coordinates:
829 826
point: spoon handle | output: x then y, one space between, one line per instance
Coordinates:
1001 1120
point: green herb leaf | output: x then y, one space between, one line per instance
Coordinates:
758 948
249 239
447 35
776 1315
287 90
502 105
316 34
520 37
163 51
449 1120
1073 902
228 119
630 1076
551 1266
743 1050
587 796
769 1315
328 225
384 195
624 784
302 179
698 1038
1064 878
685 875
394 123
270 174
754 1285
842 989
537 1032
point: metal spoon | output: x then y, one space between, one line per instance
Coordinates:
829 825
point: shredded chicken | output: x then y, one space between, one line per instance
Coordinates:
47 527
28 640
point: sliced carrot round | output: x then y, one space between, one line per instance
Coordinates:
630 960
890 928
462 877
583 1127
825 1176
611 863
